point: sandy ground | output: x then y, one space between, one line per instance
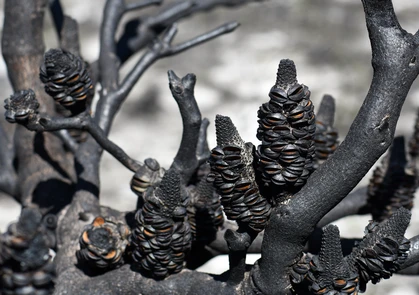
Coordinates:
326 38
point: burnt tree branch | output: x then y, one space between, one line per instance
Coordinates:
161 47
182 89
83 121
139 32
371 133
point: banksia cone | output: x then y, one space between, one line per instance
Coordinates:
27 267
37 282
286 129
328 272
67 80
149 175
393 183
204 211
300 269
162 235
103 243
20 106
325 137
382 250
233 176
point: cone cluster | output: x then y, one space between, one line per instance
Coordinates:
25 264
66 79
103 243
233 177
162 235
20 106
286 129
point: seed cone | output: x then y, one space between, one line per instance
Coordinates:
67 80
382 250
103 243
205 214
234 179
162 235
149 175
286 129
393 183
20 106
325 137
328 272
26 266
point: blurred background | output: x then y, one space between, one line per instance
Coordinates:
328 41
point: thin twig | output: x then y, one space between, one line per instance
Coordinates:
162 47
141 31
82 121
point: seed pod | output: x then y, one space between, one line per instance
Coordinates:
382 250
393 183
67 80
205 214
233 177
40 281
286 129
27 241
326 137
103 243
327 273
162 235
26 266
149 175
20 106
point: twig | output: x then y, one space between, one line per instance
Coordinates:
83 122
109 105
68 141
140 32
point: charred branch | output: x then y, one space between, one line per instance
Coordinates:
182 89
161 47
370 135
139 32
38 123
